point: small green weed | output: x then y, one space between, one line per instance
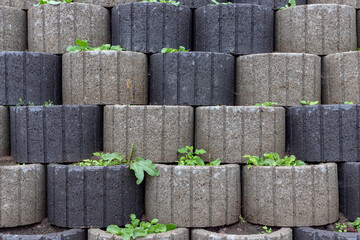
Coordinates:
304 102
242 220
82 45
356 224
348 102
266 230
192 158
24 103
291 3
51 2
273 159
49 103
217 3
173 2
171 50
266 104
340 227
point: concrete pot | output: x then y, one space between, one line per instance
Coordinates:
4 131
105 77
192 78
352 3
291 196
275 4
22 4
107 3
13 29
229 133
307 233
72 234
149 27
55 134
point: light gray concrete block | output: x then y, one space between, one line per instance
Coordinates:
352 3
23 4
13 35
4 131
107 3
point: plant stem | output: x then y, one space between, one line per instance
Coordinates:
131 151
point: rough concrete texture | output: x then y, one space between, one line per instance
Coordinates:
199 3
72 234
4 131
105 77
352 3
107 3
291 196
307 233
53 28
155 131
229 133
326 133
192 78
84 197
235 29
35 77
149 27
22 195
23 4
319 29
201 196
284 78
55 134
275 4
13 35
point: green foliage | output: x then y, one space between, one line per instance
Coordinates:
304 102
356 224
191 158
49 103
24 103
217 3
340 227
171 50
291 3
266 104
348 102
266 230
82 45
242 220
51 2
273 159
173 2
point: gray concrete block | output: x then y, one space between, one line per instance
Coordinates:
72 234
84 197
149 27
105 77
55 134
234 28
35 77
192 78
319 29
13 35
308 233
23 4
199 3
107 3
4 131
22 194
291 196
284 78
155 131
275 4
52 28
229 133
201 196
352 3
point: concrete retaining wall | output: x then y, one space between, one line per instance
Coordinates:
23 4
352 3
307 233
72 234
4 131
275 4
13 36
107 3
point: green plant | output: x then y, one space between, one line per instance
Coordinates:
266 104
173 2
340 227
82 45
139 229
304 102
242 220
51 2
356 224
217 3
171 50
266 230
49 103
191 158
23 103
348 102
291 3
273 159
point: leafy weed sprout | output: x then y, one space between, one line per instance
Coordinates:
266 230
82 45
291 3
304 102
51 2
192 158
217 3
171 50
173 2
24 103
273 159
266 104
348 102
340 227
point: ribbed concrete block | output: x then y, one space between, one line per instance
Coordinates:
105 77
22 194
149 27
155 131
55 134
72 234
4 131
201 196
199 3
192 78
319 29
284 78
35 77
235 29
13 35
307 233
53 28
352 3
291 196
84 197
275 4
229 133
107 3
23 4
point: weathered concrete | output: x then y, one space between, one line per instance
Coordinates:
201 196
53 28
22 195
307 233
72 234
199 3
235 29
284 78
352 3
55 134
105 77
275 4
107 3
291 196
155 131
13 35
23 4
229 133
192 78
149 27
4 131
317 29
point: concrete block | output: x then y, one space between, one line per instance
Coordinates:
22 4
308 233
107 3
352 3
72 234
274 4
4 131
284 78
192 78
291 196
13 35
199 3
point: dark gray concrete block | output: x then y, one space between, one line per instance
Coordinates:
308 233
72 234
4 131
192 78
199 3
275 4
107 3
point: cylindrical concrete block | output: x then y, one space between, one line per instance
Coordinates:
105 77
13 35
284 78
275 4
199 3
352 3
155 131
149 27
192 78
53 28
55 134
201 196
229 133
34 77
291 196
4 131
307 233
22 194
72 234
319 29
87 197
107 3
234 28
22 4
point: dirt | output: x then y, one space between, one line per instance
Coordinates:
342 220
41 228
6 160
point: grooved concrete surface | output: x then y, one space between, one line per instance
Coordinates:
319 29
352 3
4 131
22 195
192 78
291 196
55 134
275 4
201 196
284 78
149 27
307 233
199 3
53 28
13 35
235 29
72 234
107 3
110 195
35 77
156 131
23 4
229 132
105 77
